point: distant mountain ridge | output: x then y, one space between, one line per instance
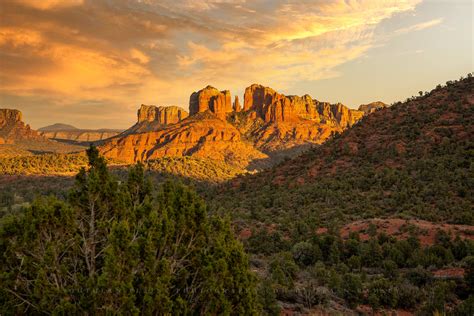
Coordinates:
66 132
57 127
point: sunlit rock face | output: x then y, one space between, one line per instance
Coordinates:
13 129
274 107
211 99
200 135
221 129
161 114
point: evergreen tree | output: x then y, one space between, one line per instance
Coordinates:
118 248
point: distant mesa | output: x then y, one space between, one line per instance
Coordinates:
72 134
57 127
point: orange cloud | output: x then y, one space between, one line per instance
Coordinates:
50 4
123 53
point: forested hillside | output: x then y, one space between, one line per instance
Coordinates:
301 220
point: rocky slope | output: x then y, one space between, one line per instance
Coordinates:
399 181
201 135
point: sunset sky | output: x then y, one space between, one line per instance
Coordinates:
91 63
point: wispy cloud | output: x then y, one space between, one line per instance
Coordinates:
419 26
127 52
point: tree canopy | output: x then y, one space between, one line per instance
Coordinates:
122 247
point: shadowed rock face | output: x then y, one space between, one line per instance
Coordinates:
161 114
237 106
211 99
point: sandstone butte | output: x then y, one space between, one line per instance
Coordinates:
216 128
211 99
151 118
13 129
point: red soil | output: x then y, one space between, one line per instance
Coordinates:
449 273
399 229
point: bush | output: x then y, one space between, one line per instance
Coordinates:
305 254
283 269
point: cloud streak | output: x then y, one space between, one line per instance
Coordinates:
126 52
419 26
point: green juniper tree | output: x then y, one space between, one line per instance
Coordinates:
120 248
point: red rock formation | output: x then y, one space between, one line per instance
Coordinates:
13 129
274 107
19 138
372 107
161 114
201 135
211 99
338 113
237 106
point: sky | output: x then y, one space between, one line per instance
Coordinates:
91 63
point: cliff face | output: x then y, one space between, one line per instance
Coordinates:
161 114
13 129
9 117
211 99
288 121
151 118
201 135
274 107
